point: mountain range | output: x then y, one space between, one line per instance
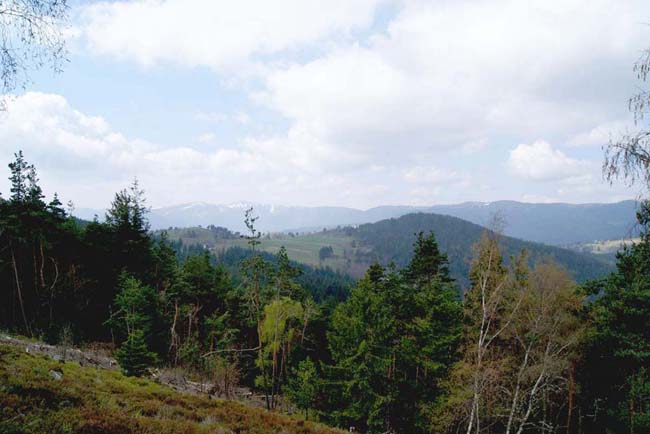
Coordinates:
552 223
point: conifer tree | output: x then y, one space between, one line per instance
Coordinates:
619 346
19 171
303 386
393 342
428 262
134 356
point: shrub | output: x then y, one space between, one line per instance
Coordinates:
133 356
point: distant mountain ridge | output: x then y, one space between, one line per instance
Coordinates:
553 223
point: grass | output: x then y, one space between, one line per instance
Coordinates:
303 248
93 401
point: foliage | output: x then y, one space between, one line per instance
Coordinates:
392 343
521 336
392 240
302 388
32 36
137 307
618 350
133 355
325 252
398 352
278 329
627 157
323 283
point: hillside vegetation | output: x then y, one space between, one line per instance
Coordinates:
391 241
40 395
354 249
399 351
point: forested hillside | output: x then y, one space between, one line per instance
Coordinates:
352 250
324 217
525 349
321 280
391 240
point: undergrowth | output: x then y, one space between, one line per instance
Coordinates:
39 395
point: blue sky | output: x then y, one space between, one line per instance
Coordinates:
355 103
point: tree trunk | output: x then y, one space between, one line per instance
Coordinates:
174 336
515 397
56 278
260 355
19 291
42 265
571 396
631 414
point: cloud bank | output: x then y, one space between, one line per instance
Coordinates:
371 101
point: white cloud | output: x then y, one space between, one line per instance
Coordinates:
364 109
83 158
48 122
430 182
446 74
473 146
217 34
601 134
538 161
440 75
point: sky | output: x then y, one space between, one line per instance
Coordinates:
353 103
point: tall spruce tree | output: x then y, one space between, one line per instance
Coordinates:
393 342
618 353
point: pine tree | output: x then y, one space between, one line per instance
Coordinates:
618 353
138 307
428 262
285 276
19 171
34 192
302 388
393 341
133 356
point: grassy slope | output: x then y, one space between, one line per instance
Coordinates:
88 400
391 240
302 248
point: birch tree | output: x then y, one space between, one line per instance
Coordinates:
522 331
543 335
490 309
280 326
32 36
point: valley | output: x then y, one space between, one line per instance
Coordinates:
547 223
354 249
324 217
